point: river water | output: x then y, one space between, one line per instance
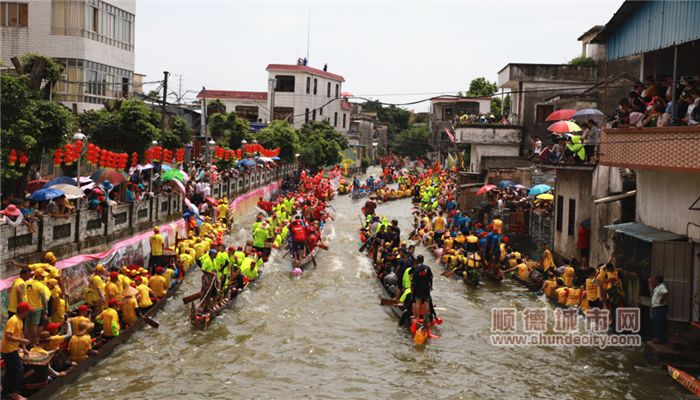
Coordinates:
326 336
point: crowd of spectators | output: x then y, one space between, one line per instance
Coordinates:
652 104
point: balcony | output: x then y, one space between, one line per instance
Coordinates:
673 148
512 74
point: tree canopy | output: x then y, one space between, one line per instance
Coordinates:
30 124
280 134
130 126
177 134
412 142
396 118
229 130
321 145
482 87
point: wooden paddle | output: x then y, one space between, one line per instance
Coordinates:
153 323
390 302
449 273
191 298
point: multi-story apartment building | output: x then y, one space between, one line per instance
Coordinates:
94 39
298 94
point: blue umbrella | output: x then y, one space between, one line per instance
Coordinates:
61 180
247 163
504 184
539 189
276 158
164 167
46 194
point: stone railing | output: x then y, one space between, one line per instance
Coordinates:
87 228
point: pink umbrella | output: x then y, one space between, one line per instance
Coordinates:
564 127
560 115
484 189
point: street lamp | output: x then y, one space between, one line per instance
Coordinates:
79 136
243 143
211 145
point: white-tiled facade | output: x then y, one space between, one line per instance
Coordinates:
305 104
100 63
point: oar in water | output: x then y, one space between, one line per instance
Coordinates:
390 302
191 298
153 323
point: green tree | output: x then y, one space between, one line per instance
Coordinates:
229 130
325 129
215 107
582 62
482 87
496 108
129 127
280 134
321 145
177 134
412 142
29 124
396 118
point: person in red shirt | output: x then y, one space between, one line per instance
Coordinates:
298 238
583 244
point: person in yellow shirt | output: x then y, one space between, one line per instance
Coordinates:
57 302
38 296
109 318
129 306
547 260
200 248
112 290
83 316
169 274
156 241
12 340
222 210
157 283
81 343
95 292
124 280
206 227
56 340
144 295
17 292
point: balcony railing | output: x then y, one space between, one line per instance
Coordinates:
673 148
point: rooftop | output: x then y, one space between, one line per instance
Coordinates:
232 95
644 232
458 99
345 105
305 68
513 73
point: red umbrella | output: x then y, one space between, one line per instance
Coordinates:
109 174
484 189
212 201
33 186
560 115
564 127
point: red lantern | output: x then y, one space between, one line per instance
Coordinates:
68 154
23 159
148 156
180 155
157 153
103 158
134 159
12 158
57 156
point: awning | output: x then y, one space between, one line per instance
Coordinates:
615 197
644 232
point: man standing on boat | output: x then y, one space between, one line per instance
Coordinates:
298 238
156 242
421 286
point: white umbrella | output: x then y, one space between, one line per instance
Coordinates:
71 192
589 113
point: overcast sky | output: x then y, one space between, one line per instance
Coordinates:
394 51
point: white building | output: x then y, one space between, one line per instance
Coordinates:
300 94
251 106
94 39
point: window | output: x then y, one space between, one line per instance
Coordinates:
284 83
308 85
284 114
249 113
335 119
313 114
337 90
93 18
306 113
560 212
320 111
572 217
344 120
14 14
542 111
447 113
125 87
328 91
315 86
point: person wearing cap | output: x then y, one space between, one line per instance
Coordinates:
57 340
248 268
83 316
17 293
156 242
95 292
129 305
109 318
38 295
112 290
80 344
57 302
144 294
171 275
260 236
41 348
158 284
12 340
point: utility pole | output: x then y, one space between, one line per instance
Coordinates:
179 89
165 96
272 99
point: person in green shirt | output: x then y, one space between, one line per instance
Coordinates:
260 236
